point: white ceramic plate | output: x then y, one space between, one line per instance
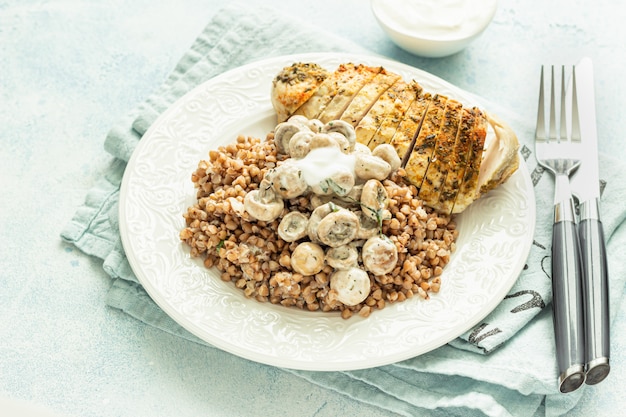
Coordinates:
494 241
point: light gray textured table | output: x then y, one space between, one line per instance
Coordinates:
71 69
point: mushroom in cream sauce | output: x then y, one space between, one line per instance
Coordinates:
342 257
380 255
352 285
387 153
307 258
368 166
263 204
299 144
345 128
293 226
338 228
374 199
342 181
316 217
287 180
283 134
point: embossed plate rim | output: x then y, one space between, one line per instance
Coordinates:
220 315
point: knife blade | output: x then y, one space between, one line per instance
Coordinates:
586 187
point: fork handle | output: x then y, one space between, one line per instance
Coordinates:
567 302
596 290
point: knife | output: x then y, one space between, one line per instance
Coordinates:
586 187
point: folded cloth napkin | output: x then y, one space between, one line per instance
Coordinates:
505 366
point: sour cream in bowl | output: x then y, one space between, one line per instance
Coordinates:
434 28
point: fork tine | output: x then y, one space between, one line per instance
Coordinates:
563 128
575 116
552 134
540 131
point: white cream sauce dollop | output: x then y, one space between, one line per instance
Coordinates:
322 163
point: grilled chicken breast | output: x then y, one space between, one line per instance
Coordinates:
452 153
442 161
372 119
347 92
403 138
388 126
295 85
458 162
418 160
367 96
468 191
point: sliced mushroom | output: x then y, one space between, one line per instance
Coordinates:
374 199
338 228
283 134
342 257
322 140
380 255
299 120
388 153
368 227
345 128
352 285
307 258
316 217
263 204
315 125
299 144
293 226
287 180
371 167
361 148
342 141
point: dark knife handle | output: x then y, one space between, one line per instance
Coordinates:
567 302
596 290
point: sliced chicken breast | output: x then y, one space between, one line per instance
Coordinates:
439 166
416 115
425 142
469 188
327 90
368 96
295 85
458 162
390 124
372 120
362 75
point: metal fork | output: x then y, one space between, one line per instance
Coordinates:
558 152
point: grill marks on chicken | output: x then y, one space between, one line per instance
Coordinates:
469 188
388 126
404 138
457 162
440 162
444 146
378 112
367 96
418 160
326 91
347 92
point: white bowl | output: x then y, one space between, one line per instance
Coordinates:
434 28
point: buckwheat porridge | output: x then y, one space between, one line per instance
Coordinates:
309 218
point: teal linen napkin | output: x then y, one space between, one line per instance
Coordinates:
505 366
